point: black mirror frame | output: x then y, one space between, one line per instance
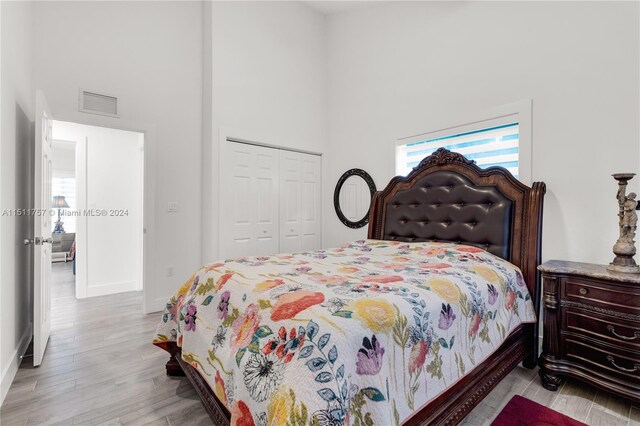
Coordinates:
336 197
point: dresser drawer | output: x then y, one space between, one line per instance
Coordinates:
621 363
608 296
617 331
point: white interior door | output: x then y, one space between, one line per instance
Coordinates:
300 201
249 200
311 202
266 201
290 202
42 230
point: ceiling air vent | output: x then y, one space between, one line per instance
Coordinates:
98 103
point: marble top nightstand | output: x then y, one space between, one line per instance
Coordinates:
591 327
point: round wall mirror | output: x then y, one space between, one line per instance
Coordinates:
352 197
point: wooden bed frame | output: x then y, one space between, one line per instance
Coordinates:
522 233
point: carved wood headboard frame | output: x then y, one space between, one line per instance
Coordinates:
525 233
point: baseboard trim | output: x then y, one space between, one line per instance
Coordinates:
111 288
9 372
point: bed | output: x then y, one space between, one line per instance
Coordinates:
414 325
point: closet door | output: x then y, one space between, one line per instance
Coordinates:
265 198
311 202
249 200
300 207
290 202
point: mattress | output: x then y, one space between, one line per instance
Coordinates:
366 333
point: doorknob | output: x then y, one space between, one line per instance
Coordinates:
38 241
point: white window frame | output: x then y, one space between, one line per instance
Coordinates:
516 112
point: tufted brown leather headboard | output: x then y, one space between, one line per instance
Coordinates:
446 206
448 198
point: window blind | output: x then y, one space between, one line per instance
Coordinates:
65 186
493 146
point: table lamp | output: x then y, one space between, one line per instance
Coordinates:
59 203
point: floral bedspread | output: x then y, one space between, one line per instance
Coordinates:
359 335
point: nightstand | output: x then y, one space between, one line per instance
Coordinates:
591 327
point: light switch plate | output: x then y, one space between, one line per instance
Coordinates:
172 207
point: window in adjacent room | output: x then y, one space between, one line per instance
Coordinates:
498 138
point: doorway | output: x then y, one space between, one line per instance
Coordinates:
63 189
101 204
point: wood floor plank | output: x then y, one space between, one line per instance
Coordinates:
480 415
67 406
179 408
575 400
611 404
513 384
598 417
634 416
175 418
162 422
142 406
112 422
535 392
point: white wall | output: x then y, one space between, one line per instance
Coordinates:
17 110
269 82
149 55
399 69
63 159
108 177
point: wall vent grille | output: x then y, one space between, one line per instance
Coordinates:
98 103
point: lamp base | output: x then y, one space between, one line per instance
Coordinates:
624 263
59 229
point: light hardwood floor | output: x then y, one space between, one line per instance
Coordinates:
101 369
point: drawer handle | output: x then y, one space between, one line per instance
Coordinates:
636 367
636 335
583 291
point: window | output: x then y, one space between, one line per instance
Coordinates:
493 146
498 137
65 186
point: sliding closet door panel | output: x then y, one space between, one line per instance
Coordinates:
300 206
266 198
248 200
290 202
311 208
236 235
